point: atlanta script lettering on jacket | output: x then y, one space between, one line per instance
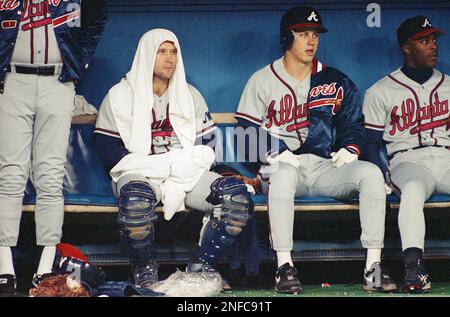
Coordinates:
6 5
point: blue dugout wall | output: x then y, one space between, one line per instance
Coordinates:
224 42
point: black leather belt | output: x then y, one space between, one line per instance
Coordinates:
415 148
38 70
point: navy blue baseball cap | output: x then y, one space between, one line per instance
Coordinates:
300 18
416 28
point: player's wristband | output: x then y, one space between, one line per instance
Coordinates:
353 148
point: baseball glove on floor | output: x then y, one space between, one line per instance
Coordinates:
59 286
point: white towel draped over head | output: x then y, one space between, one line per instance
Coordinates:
132 99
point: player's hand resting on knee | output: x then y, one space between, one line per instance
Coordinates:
342 157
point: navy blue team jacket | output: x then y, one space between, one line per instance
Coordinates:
77 44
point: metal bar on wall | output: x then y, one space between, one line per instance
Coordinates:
118 6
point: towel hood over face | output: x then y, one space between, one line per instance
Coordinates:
132 99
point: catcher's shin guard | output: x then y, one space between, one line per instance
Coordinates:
136 218
233 207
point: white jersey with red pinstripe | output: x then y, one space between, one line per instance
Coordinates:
409 114
36 42
163 135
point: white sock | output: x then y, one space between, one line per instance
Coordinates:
373 255
284 257
47 259
6 261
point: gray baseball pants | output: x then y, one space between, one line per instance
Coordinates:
317 176
35 117
195 199
415 176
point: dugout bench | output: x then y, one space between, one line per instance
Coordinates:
329 228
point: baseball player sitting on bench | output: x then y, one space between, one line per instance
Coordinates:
313 112
408 111
146 135
43 53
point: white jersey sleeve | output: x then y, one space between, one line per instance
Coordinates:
204 122
374 109
105 120
252 105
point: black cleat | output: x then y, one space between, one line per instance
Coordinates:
8 284
145 276
286 280
416 278
377 279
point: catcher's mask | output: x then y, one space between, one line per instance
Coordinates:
70 260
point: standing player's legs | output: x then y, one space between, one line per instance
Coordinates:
54 106
415 184
285 184
16 124
229 205
367 180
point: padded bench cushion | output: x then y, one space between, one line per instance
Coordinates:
88 184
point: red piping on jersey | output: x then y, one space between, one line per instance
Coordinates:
431 101
240 114
299 137
419 135
206 129
31 43
153 114
46 45
370 125
106 131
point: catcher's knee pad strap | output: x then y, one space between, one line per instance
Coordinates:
138 247
235 221
137 210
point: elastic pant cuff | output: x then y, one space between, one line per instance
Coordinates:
47 243
8 243
372 244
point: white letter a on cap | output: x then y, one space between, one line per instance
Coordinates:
426 23
313 16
